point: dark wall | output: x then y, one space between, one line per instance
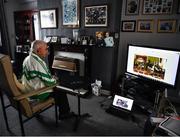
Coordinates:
114 15
104 60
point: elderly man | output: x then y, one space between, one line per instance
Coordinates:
37 75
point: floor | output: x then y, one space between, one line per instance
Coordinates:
100 122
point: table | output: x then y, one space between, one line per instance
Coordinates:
79 92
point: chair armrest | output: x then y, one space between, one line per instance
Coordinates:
35 92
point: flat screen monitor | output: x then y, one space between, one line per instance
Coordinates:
122 102
160 65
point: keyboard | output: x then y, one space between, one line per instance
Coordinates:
81 90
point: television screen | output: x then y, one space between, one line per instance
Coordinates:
153 63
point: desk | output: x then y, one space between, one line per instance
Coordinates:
79 93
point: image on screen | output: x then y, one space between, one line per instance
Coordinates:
150 66
152 63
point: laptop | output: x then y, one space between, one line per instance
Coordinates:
121 105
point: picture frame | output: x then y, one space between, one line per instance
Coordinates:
70 13
48 18
47 39
109 39
145 26
19 48
128 26
157 7
54 39
26 48
178 8
166 26
132 7
96 16
100 35
85 40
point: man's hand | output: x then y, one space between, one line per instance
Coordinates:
56 78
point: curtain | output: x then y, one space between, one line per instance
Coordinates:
6 49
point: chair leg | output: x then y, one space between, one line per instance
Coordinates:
20 120
56 114
4 111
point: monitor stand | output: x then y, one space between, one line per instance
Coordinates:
146 94
159 100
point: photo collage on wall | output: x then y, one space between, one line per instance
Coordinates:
151 7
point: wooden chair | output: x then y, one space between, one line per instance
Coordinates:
20 100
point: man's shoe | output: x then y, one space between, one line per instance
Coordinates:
66 116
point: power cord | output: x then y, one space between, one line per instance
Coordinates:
104 101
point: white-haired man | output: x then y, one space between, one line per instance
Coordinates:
36 75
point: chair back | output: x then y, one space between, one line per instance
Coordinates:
8 85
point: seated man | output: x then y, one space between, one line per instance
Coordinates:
37 75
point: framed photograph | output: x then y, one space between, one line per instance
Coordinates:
48 18
54 39
26 48
157 7
70 13
85 40
47 39
100 35
128 26
178 9
109 39
96 16
132 7
145 26
166 26
19 48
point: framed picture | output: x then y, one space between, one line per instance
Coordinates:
100 38
26 48
54 39
85 40
166 26
109 39
47 39
132 7
19 48
128 26
96 16
145 25
70 13
157 6
178 9
48 18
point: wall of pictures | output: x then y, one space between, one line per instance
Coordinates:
151 16
149 22
111 17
